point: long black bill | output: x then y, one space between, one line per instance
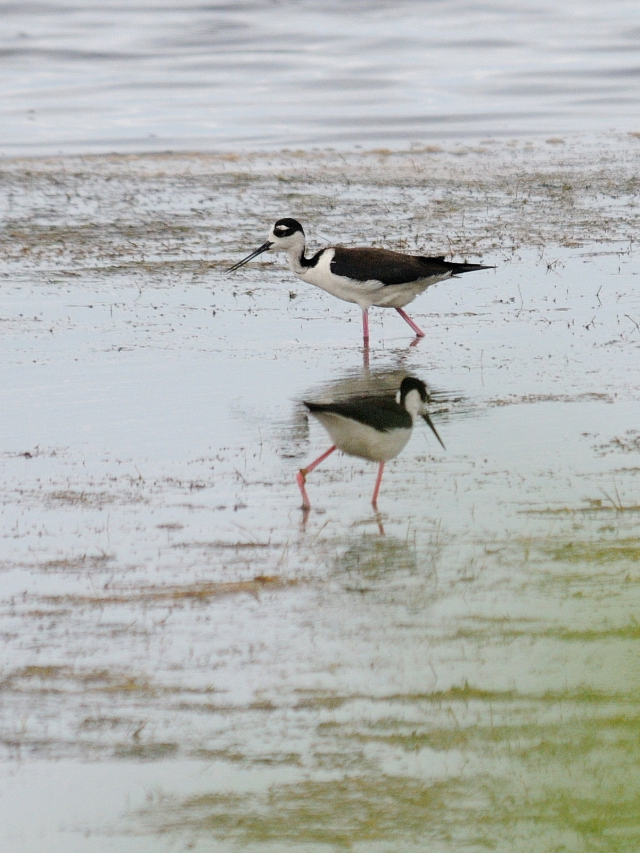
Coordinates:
264 248
433 429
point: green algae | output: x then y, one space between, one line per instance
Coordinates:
601 552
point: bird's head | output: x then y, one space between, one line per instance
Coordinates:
415 398
286 235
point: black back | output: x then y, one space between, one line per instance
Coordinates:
392 267
381 413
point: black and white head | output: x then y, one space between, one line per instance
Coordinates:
287 235
415 398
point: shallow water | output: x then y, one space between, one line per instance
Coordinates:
185 663
150 76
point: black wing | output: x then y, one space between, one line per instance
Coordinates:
392 267
381 413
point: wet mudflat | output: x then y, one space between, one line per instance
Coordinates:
185 663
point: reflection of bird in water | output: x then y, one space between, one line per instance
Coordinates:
373 558
364 276
379 382
293 433
375 428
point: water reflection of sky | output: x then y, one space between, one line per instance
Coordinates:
150 76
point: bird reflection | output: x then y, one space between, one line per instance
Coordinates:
375 394
370 427
368 559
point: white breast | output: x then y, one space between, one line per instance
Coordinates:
358 439
321 276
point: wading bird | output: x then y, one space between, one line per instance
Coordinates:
364 276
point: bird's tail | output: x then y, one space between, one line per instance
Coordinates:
458 269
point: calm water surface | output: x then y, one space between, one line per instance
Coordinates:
184 663
158 74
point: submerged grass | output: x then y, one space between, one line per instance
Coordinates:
594 507
175 594
66 679
417 814
601 552
339 812
528 729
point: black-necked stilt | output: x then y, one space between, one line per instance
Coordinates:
375 428
364 276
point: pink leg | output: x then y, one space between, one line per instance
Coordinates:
408 320
301 476
374 499
365 327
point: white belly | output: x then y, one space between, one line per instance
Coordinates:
361 440
362 293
